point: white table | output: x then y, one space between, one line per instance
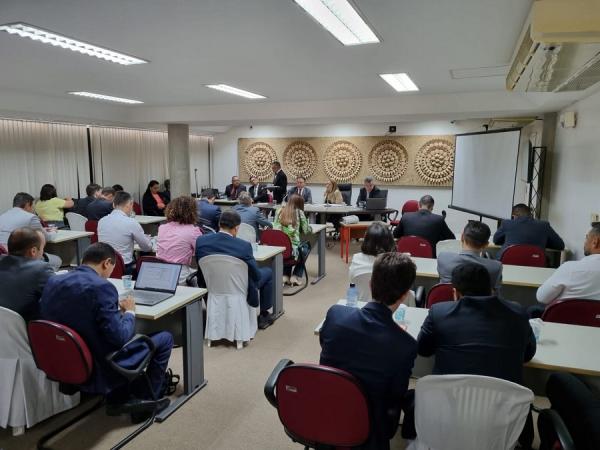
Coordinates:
311 210
68 245
186 303
150 223
273 257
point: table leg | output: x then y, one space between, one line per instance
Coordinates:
348 239
321 243
193 358
82 245
277 272
312 217
342 241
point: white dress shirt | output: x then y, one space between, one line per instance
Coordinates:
121 231
573 280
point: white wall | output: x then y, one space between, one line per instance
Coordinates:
225 163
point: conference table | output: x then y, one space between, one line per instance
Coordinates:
560 348
186 308
318 236
69 245
272 256
225 203
150 223
311 210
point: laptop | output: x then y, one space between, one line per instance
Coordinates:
156 282
376 203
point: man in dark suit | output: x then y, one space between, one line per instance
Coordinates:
279 180
371 346
424 223
524 229
301 190
225 242
102 206
258 192
23 273
479 333
208 212
93 191
251 214
369 190
86 301
233 190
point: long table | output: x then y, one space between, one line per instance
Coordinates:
311 210
69 245
150 223
185 303
272 256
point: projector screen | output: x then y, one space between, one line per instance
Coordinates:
485 169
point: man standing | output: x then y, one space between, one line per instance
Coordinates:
92 191
301 190
208 212
23 273
225 242
251 214
279 180
102 206
258 192
233 190
368 343
369 190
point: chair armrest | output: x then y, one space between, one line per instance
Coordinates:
189 281
420 297
131 374
551 420
395 213
272 381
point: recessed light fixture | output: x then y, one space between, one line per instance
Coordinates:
340 19
109 98
234 91
58 40
399 81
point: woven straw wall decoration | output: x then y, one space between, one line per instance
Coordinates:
258 158
342 161
388 160
435 161
300 159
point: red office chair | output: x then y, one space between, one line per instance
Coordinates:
409 206
279 239
3 250
524 255
119 269
416 246
574 312
92 226
442 292
137 209
147 258
319 406
63 356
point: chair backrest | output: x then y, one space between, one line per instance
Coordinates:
3 250
147 258
524 255
383 193
224 275
13 336
76 221
574 312
346 191
362 282
119 269
416 246
137 209
60 352
449 245
410 206
247 233
279 239
322 405
92 225
442 292
470 412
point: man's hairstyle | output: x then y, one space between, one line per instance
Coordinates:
235 176
276 163
22 239
108 191
595 230
368 180
393 274
208 193
476 234
22 199
253 176
98 252
118 187
300 177
47 192
378 239
229 219
427 200
121 198
92 188
471 279
521 210
182 210
244 198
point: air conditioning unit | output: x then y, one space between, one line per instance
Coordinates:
558 49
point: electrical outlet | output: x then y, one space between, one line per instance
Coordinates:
595 217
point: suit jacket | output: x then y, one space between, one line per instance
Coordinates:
16 218
23 282
375 193
447 261
527 230
225 244
425 224
478 336
209 213
149 204
258 193
99 208
280 179
229 188
89 304
306 194
371 346
82 204
252 216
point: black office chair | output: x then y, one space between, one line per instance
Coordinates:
346 191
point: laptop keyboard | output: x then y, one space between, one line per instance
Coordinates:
145 295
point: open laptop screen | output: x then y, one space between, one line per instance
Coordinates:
157 276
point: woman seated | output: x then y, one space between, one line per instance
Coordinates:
50 208
332 194
291 220
153 202
176 242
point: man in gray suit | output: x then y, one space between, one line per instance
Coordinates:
474 240
250 214
21 215
301 190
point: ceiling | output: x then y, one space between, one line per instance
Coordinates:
266 46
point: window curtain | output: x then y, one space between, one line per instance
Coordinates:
36 153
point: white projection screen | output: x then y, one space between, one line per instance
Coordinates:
485 169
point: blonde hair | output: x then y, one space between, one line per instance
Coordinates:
289 213
331 187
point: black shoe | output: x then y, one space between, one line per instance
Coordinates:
143 415
265 321
134 405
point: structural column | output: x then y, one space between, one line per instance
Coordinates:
179 159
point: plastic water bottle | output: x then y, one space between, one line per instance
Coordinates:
400 314
352 295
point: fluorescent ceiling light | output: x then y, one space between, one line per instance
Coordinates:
107 97
57 40
234 91
340 19
399 81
